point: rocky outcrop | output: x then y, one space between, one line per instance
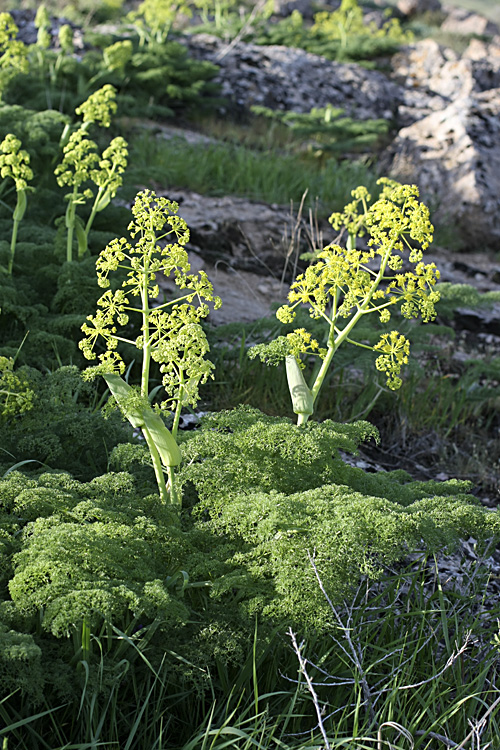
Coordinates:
239 234
437 70
452 151
25 22
445 106
249 251
454 156
285 78
286 7
464 22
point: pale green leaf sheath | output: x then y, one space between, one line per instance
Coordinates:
170 331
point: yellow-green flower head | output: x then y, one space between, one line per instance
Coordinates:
14 162
396 349
80 156
65 37
111 166
99 107
13 53
173 335
117 55
345 284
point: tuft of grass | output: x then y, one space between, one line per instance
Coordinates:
228 169
411 660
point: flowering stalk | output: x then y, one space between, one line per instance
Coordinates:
170 333
48 62
82 164
14 163
80 158
13 53
108 177
345 285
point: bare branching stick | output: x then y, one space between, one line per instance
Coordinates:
303 669
355 652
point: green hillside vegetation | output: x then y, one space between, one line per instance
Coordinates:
247 583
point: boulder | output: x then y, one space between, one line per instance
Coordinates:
285 78
464 22
484 51
485 62
454 157
432 76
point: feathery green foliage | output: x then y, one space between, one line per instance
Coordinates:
341 35
277 490
159 79
84 557
328 130
153 19
16 395
123 620
52 419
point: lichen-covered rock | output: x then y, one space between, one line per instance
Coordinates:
432 76
462 21
454 157
285 78
434 69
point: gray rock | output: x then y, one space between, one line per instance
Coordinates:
454 157
485 59
461 21
433 76
411 8
484 51
285 8
284 78
236 233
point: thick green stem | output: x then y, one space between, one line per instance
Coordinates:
70 225
177 416
171 497
13 242
334 343
17 217
90 221
174 495
158 468
146 354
